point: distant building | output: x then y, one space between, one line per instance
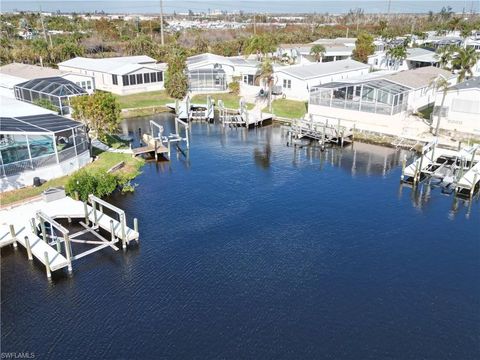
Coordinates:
461 109
23 72
297 80
35 142
120 75
393 96
416 57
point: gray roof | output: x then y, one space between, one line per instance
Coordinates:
422 55
473 83
311 71
29 72
419 78
114 65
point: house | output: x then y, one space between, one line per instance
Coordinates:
297 80
36 142
25 72
460 112
120 75
379 99
416 57
210 72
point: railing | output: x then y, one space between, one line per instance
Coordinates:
42 161
371 107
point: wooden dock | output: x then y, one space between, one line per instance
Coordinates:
26 225
160 150
322 132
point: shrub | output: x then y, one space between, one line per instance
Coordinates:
88 182
234 87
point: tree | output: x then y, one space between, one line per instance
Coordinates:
440 84
260 45
465 61
397 54
176 80
364 47
99 112
266 73
445 54
45 103
318 51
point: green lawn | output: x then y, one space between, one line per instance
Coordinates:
230 101
104 162
115 142
152 98
290 109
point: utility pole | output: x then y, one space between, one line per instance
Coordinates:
255 24
161 23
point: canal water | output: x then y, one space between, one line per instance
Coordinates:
254 250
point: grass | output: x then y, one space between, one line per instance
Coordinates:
105 161
230 101
146 99
290 109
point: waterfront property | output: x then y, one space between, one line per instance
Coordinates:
459 111
38 144
296 81
211 73
56 90
120 75
381 99
16 73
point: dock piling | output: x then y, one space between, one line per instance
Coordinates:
112 231
47 266
29 248
135 227
85 208
68 251
13 235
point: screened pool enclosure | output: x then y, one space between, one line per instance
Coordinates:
32 142
376 96
207 80
56 90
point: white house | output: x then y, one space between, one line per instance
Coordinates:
377 100
210 72
416 57
18 73
297 80
120 75
461 108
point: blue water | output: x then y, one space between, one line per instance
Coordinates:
254 250
273 6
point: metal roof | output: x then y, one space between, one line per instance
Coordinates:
381 84
45 123
473 83
305 72
55 86
113 65
28 71
420 77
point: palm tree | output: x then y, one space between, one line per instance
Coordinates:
445 55
318 51
440 84
397 53
266 73
465 61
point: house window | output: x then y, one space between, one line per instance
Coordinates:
89 85
114 80
287 84
125 80
159 76
146 78
153 77
133 79
139 79
376 61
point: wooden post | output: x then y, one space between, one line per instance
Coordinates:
415 174
47 265
13 235
112 231
472 190
75 194
155 147
68 251
135 227
187 136
95 220
59 245
29 249
404 164
85 208
169 149
44 232
33 225
124 237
